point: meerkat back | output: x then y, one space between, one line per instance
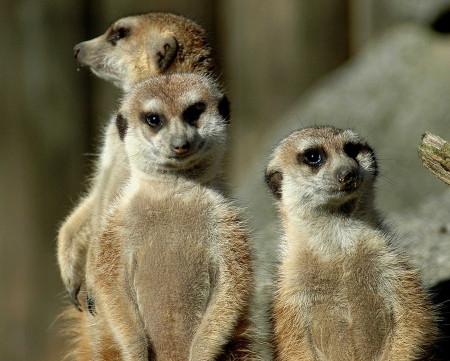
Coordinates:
132 49
344 291
172 271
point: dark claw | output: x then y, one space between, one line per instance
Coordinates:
73 295
91 304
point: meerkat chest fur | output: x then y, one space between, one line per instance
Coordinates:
173 250
172 239
334 265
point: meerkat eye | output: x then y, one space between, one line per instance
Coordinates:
193 112
154 120
352 149
313 157
118 34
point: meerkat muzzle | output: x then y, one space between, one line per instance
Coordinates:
347 178
180 146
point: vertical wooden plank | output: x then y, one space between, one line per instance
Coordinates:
272 52
42 162
361 23
367 18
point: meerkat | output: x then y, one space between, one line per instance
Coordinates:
137 46
171 272
132 49
344 291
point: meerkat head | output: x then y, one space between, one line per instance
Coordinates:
136 47
175 124
322 168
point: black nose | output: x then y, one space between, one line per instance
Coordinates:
347 178
180 145
76 50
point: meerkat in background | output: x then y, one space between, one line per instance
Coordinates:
344 291
132 49
171 271
136 47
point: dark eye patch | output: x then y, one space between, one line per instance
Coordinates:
224 109
352 149
122 126
152 119
274 180
118 34
192 113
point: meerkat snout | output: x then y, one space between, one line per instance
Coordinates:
347 178
76 50
180 145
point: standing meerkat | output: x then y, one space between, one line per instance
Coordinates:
171 272
344 291
132 49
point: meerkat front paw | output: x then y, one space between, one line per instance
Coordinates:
72 274
90 301
72 281
73 239
73 296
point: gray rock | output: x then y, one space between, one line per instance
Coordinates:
425 232
418 10
394 90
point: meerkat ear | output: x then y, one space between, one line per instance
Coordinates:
122 126
164 50
274 179
224 109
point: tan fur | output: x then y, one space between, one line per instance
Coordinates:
171 273
344 291
152 44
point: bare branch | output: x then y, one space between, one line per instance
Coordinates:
434 153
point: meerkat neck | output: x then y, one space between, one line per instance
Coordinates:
328 230
161 177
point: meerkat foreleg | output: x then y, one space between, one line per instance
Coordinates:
414 323
226 306
114 298
217 325
72 248
127 326
287 335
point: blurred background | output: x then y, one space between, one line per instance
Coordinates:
379 66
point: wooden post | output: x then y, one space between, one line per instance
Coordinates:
434 153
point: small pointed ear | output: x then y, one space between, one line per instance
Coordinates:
274 179
224 109
122 126
164 49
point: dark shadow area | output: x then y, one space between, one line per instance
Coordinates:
441 298
442 23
